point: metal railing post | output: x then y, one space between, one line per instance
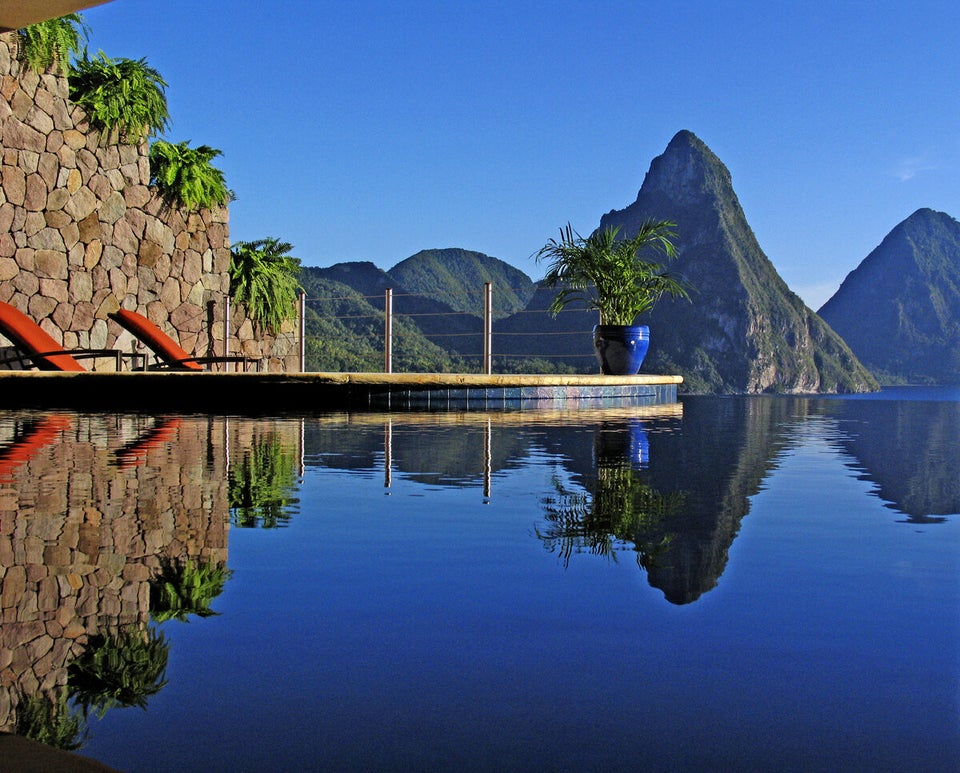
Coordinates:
303 331
488 328
388 331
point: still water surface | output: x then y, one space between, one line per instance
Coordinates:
722 584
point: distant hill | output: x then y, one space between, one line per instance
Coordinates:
899 310
745 330
344 329
456 277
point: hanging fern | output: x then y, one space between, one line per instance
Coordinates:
51 43
265 279
124 98
185 176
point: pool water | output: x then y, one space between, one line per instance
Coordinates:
726 583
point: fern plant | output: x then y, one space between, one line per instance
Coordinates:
51 43
265 279
124 98
185 176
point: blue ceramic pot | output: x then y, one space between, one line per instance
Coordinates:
621 348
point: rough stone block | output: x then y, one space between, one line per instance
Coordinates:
51 264
17 134
14 184
92 253
63 315
187 317
35 193
124 237
55 288
81 203
40 306
74 139
136 195
89 227
8 269
56 218
100 186
8 246
80 286
47 239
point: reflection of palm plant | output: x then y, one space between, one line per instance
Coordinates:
51 42
123 97
48 719
185 176
262 485
183 588
119 670
622 509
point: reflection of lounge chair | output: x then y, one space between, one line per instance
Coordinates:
47 430
168 352
135 453
38 348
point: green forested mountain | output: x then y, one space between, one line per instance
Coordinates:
456 277
745 331
344 332
899 310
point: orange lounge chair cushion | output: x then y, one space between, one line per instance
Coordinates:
32 338
164 346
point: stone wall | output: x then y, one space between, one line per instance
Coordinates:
82 234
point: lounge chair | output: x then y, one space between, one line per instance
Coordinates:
168 352
38 348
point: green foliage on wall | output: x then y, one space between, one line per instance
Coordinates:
124 98
51 43
184 175
265 279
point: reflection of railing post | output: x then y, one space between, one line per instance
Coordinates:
488 328
388 454
303 331
487 461
388 331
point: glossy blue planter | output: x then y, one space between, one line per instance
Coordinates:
621 348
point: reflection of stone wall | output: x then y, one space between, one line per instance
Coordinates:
82 530
82 233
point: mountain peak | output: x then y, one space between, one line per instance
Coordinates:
745 330
900 308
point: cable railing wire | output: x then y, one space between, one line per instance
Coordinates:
405 326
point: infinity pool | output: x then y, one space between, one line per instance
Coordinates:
763 583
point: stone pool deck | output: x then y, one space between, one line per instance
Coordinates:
318 392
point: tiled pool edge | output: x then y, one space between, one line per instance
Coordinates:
281 392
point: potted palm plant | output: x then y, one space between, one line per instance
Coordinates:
608 274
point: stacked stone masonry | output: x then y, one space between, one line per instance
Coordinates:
82 234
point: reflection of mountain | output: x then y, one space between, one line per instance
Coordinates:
716 458
712 461
910 449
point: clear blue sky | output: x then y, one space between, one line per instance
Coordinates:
369 130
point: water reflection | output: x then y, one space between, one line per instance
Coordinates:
910 449
110 526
